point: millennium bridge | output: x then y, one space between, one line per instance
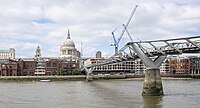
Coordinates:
152 54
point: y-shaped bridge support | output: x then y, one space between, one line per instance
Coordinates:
152 85
89 73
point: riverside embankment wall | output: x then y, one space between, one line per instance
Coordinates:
58 78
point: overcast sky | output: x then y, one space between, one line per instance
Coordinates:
24 24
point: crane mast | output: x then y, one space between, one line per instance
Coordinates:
116 41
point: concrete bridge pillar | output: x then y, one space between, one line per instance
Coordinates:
152 82
89 77
89 73
152 85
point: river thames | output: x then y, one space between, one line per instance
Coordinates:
97 94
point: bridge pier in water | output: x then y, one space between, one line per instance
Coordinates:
152 85
89 77
89 74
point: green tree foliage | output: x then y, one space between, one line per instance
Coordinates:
76 71
61 71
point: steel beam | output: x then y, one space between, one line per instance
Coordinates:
157 48
193 43
173 47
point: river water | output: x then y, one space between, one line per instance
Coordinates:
97 94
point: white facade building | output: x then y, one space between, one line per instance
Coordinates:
134 66
6 54
165 67
127 66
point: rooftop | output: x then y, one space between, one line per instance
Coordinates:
4 51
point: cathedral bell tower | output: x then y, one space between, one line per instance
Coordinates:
38 52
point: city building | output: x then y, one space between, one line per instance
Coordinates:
195 65
94 60
70 60
121 67
165 67
6 54
40 69
52 66
26 66
37 66
180 65
98 54
68 67
8 67
139 67
136 66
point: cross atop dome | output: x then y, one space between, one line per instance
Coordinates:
68 34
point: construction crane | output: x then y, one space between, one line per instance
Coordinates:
116 41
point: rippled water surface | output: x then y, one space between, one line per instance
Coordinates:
97 94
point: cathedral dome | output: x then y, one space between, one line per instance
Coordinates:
68 49
69 42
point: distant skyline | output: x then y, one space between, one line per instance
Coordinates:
25 24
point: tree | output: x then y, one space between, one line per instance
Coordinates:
61 71
76 71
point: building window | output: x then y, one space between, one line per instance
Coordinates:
64 52
70 52
54 64
48 65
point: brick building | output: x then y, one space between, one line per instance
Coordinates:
52 67
67 62
8 67
180 65
28 67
